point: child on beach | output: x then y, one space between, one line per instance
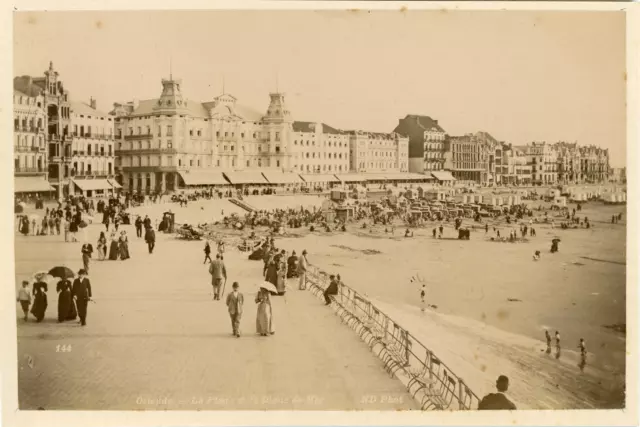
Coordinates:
24 297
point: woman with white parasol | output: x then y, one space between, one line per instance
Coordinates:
264 316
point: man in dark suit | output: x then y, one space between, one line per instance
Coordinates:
497 401
332 289
150 238
235 301
81 291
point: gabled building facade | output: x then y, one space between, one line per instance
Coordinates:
427 143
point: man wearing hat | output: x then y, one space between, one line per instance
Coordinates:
81 291
303 264
218 273
235 301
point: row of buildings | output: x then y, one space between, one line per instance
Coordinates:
171 142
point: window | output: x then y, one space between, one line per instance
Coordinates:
159 130
191 132
218 134
247 163
277 136
232 148
169 130
169 144
199 132
242 135
179 162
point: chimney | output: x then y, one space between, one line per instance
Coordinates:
92 103
435 121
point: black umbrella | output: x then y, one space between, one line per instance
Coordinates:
62 272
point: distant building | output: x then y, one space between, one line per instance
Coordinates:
29 143
426 143
594 164
467 158
544 163
92 150
618 175
319 149
373 152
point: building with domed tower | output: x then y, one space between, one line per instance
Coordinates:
171 142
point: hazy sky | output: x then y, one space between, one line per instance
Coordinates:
521 76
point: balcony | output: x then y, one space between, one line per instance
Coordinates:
156 150
90 173
27 171
139 136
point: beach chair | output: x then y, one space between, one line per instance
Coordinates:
425 376
443 399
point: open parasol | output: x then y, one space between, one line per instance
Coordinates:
268 286
40 276
62 272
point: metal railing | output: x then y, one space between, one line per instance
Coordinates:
428 375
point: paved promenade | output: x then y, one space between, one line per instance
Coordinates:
156 340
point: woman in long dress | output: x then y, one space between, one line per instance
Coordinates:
40 300
114 251
272 270
102 246
66 307
124 246
264 318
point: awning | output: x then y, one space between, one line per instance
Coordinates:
114 183
351 178
92 184
320 177
31 184
203 177
279 177
443 176
375 177
246 177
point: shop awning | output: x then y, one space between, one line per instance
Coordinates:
320 177
31 184
351 177
203 177
114 183
92 184
279 177
246 177
375 177
443 176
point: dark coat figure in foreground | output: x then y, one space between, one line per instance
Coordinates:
40 300
66 307
82 293
150 238
498 401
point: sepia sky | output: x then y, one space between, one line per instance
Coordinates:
521 76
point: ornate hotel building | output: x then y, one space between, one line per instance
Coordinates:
427 143
162 143
78 157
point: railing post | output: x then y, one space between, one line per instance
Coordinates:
461 393
407 345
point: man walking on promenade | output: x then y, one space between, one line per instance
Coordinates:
235 301
81 291
138 224
218 272
303 265
150 238
496 401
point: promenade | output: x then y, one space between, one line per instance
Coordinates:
156 340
